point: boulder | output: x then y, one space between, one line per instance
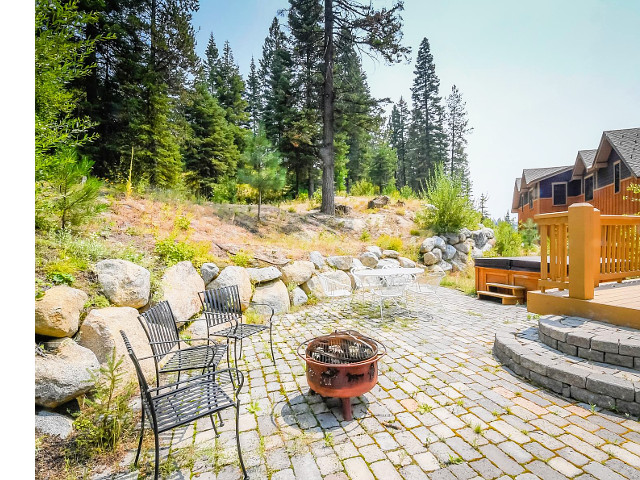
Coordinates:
263 275
436 269
487 246
274 294
298 297
438 242
479 238
378 202
298 272
180 286
406 262
457 266
51 423
390 254
313 285
464 234
463 247
430 258
343 210
377 251
63 375
235 276
341 262
317 259
124 283
58 311
100 333
449 252
357 265
476 253
445 266
452 238
388 263
461 257
369 259
427 245
488 232
209 271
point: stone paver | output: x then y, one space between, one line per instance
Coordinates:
444 407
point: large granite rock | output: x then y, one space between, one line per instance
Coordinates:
51 423
439 242
64 374
488 232
235 276
298 297
341 262
430 258
452 238
209 271
463 247
479 238
180 287
58 311
377 251
263 275
427 245
465 233
314 286
457 265
357 265
378 202
369 259
298 272
388 263
449 252
476 253
406 262
274 294
445 266
100 333
317 259
124 283
390 254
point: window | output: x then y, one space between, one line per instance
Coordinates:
588 188
559 193
616 177
531 199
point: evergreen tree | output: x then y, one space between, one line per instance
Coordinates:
398 131
209 150
254 104
380 30
383 164
428 138
262 169
457 128
212 64
483 205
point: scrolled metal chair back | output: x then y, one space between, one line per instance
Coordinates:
160 326
144 386
222 305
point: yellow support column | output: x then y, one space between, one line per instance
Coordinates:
584 255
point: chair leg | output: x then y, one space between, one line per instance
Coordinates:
244 470
273 355
157 466
135 463
213 424
220 418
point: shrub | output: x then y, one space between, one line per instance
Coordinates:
316 198
452 209
387 242
529 233
105 418
182 222
242 258
508 240
363 188
391 191
59 278
365 236
224 192
406 192
487 222
172 251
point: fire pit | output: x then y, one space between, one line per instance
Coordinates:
343 364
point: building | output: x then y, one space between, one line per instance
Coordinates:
600 177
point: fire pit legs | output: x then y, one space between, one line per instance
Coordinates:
346 409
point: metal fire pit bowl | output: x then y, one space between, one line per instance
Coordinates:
343 364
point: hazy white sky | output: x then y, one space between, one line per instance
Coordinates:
542 79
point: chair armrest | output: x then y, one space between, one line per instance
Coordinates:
205 378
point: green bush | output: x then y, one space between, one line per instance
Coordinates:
105 417
529 233
391 191
59 278
452 209
406 192
363 188
224 192
172 251
387 242
316 198
508 240
242 258
365 236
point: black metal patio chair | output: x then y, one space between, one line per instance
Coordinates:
159 324
180 403
221 306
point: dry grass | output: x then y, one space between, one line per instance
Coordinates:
463 281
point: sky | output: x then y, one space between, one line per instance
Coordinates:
541 79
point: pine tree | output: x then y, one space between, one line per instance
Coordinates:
428 138
254 104
209 150
380 30
212 64
398 130
484 198
457 128
383 164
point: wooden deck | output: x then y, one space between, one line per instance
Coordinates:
617 303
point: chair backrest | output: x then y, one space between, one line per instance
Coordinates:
333 288
160 326
221 305
144 386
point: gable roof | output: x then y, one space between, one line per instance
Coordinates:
530 175
584 162
626 143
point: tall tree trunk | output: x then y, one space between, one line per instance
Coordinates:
312 186
259 203
326 152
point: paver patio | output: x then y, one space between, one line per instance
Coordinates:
443 407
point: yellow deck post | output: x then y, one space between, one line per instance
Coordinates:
584 240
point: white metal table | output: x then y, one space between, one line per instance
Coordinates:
387 283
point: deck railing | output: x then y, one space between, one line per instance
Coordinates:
585 248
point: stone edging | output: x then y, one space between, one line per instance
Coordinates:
596 341
571 377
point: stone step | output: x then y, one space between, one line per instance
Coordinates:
591 340
606 386
506 298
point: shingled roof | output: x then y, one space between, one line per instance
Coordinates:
587 157
627 143
530 175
